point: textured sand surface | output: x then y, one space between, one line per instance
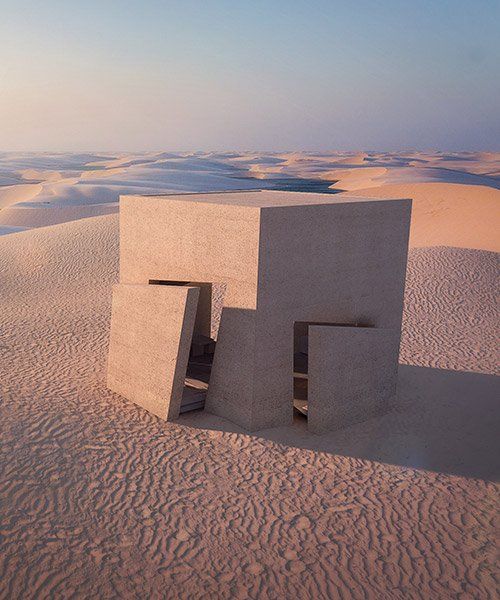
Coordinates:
451 318
99 499
41 217
448 214
11 194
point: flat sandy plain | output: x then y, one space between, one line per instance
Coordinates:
99 499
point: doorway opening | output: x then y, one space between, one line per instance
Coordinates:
203 341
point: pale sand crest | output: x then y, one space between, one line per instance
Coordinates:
90 184
448 214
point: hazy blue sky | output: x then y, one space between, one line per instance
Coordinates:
249 74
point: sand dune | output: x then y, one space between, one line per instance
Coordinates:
355 159
349 171
101 499
80 183
37 175
355 179
447 214
41 216
6 229
10 195
74 180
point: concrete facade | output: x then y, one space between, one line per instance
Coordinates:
285 258
151 331
352 375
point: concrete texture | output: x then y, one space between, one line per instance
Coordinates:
151 331
352 375
284 257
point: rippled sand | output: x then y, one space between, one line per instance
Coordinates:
99 499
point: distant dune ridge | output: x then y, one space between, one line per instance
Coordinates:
12 194
81 180
101 499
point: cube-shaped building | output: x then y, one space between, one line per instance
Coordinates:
313 298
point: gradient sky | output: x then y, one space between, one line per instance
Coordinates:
249 74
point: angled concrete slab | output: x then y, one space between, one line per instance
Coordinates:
352 374
151 331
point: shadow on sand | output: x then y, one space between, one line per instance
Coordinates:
443 421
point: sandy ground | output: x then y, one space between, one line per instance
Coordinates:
447 214
99 499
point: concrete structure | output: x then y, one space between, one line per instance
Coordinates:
151 332
287 260
352 374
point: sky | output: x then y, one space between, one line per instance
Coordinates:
249 75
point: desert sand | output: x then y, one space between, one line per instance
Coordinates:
448 214
101 499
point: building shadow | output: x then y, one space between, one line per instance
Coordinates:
442 421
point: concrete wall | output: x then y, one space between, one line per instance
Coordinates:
352 375
174 239
151 331
171 238
342 263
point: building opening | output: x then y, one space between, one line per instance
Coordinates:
203 341
300 368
